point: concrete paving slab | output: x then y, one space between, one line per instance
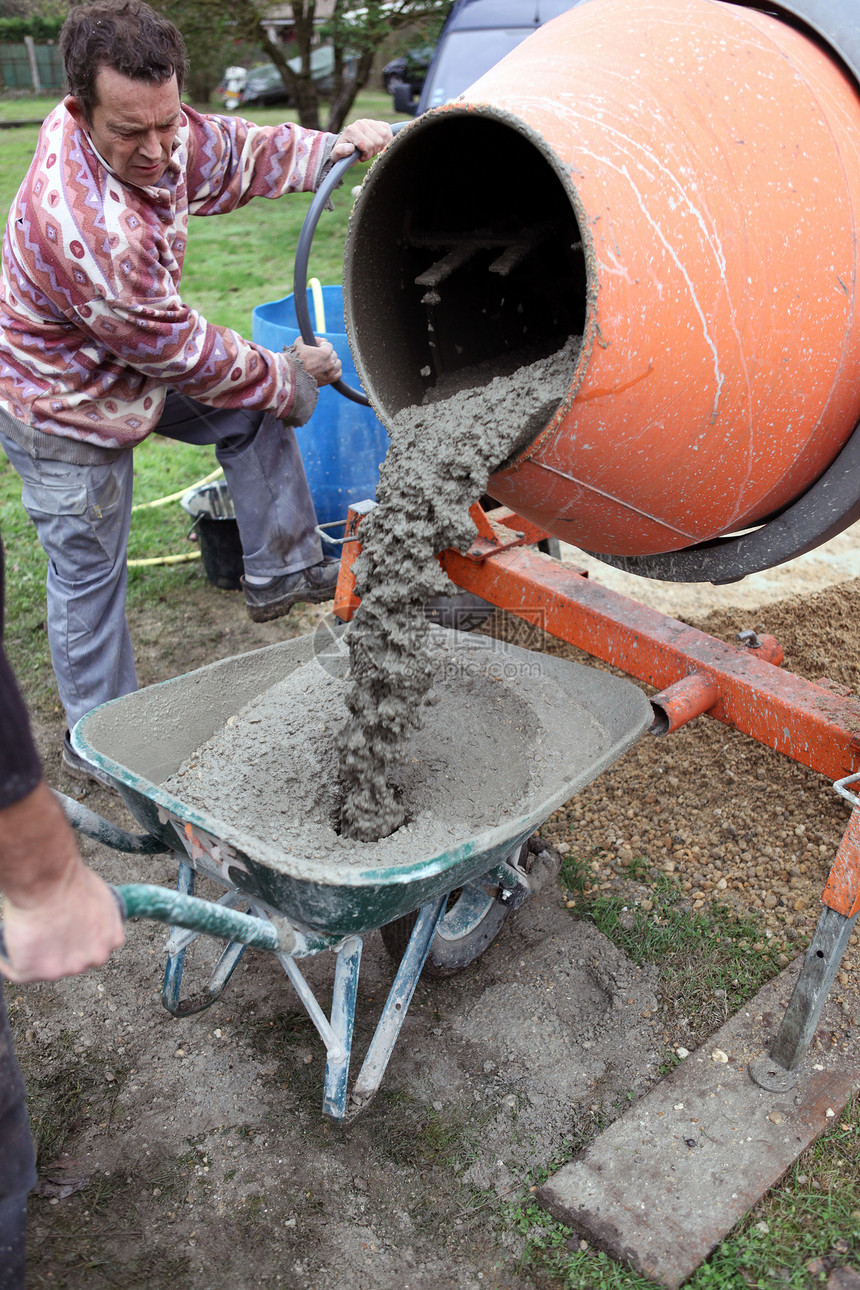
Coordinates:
662 1186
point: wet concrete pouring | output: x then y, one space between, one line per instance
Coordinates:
437 466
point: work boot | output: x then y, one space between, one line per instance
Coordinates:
80 769
275 598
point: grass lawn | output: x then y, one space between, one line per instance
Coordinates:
20 108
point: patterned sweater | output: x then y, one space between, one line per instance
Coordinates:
92 327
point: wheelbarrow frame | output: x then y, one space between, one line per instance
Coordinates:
292 905
261 925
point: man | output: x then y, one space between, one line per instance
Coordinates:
59 918
97 349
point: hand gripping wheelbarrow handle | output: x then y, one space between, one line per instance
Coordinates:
145 900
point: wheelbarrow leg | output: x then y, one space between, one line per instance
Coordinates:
342 1020
841 899
397 1003
176 960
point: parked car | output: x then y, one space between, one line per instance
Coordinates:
265 85
408 69
476 36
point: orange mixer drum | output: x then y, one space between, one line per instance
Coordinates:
678 182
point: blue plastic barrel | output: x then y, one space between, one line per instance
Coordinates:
344 443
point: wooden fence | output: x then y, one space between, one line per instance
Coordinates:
24 65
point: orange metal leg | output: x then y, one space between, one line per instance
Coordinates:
842 891
841 900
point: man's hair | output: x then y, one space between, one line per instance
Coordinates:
126 35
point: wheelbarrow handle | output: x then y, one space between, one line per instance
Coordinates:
146 900
85 821
163 905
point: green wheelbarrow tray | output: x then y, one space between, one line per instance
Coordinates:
449 904
141 739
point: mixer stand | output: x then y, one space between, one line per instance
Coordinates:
694 1196
694 674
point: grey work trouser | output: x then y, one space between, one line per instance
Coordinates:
82 515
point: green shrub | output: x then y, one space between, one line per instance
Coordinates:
41 29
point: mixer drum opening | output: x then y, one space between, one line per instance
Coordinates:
708 156
464 250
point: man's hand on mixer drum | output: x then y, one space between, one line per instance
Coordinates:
367 138
59 917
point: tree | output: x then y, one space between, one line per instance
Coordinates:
357 35
211 28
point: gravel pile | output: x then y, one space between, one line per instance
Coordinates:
732 820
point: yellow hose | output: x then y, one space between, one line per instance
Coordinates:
163 559
162 501
319 306
174 497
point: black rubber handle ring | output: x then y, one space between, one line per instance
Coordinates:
303 251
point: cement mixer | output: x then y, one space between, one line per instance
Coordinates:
679 184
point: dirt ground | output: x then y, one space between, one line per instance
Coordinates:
206 1159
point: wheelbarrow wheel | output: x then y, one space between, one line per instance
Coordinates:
472 921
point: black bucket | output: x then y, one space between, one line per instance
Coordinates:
221 552
217 532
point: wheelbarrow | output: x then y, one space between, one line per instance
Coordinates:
441 909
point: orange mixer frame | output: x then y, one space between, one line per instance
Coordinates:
743 686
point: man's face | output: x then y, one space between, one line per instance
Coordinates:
133 125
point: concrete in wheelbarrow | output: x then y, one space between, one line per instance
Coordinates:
662 1186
